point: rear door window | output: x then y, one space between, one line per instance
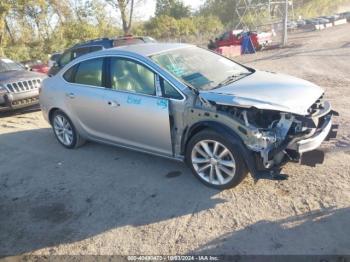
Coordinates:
89 72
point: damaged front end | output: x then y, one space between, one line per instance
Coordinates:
276 137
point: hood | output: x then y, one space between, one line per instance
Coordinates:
270 91
13 76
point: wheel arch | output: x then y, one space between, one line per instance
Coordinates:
52 112
224 130
197 127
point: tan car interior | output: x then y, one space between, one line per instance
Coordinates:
132 77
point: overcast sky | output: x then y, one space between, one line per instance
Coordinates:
147 9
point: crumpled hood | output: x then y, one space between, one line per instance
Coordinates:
270 91
13 76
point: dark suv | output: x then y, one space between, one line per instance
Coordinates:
96 45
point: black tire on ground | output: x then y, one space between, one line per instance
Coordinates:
77 140
207 134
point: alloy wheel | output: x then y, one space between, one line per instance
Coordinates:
213 162
63 130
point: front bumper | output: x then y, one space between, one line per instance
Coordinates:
12 101
316 140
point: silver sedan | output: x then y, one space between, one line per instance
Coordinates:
186 103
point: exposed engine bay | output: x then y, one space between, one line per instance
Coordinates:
277 137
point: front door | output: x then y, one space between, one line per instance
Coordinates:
139 121
128 113
136 115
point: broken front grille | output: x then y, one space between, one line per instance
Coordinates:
23 86
318 105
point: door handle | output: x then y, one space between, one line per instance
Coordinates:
113 103
70 95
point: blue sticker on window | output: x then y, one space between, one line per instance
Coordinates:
133 100
162 103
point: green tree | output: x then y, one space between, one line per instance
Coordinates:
5 7
208 25
126 9
172 8
223 9
162 27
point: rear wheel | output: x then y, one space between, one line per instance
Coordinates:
214 160
65 131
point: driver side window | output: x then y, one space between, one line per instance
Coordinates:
169 91
130 76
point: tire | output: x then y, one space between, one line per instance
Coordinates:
61 124
222 169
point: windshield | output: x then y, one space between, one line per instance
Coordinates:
200 68
9 65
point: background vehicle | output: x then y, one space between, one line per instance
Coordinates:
322 20
183 102
96 45
292 25
18 87
53 59
235 37
345 15
36 66
301 22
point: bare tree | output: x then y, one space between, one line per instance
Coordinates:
126 9
5 7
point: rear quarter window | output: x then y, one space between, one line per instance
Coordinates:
70 73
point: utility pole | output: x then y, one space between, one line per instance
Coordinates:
285 24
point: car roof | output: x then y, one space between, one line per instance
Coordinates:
105 41
148 49
93 42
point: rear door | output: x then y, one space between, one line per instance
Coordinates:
85 96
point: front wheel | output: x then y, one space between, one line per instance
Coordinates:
215 161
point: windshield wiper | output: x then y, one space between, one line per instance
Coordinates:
230 79
193 89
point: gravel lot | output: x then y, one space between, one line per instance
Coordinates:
104 200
